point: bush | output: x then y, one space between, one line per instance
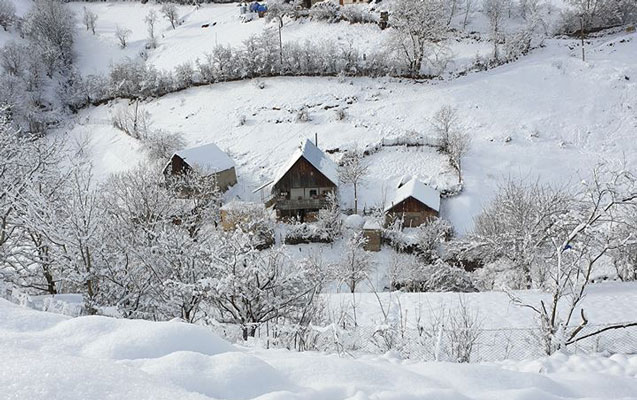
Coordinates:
161 145
327 11
437 277
358 14
307 233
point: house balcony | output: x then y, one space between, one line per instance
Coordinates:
300 204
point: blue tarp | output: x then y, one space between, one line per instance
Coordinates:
256 7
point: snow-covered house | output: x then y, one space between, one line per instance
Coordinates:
413 202
207 161
301 186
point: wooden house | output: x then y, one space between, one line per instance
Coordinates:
414 203
207 161
301 186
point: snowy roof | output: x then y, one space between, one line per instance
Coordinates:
314 156
419 191
207 159
372 224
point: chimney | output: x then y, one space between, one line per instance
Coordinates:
316 139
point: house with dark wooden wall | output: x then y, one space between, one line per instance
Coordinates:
301 186
207 161
414 203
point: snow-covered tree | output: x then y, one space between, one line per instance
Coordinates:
13 58
468 11
169 11
416 25
459 145
50 25
445 123
277 10
430 236
355 263
252 287
89 18
513 228
151 20
577 241
7 14
352 170
329 218
495 10
122 35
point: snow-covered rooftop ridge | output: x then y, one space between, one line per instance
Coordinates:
419 191
314 156
207 159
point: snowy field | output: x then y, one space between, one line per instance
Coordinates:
51 356
549 115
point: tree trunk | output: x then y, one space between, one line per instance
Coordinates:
581 30
355 198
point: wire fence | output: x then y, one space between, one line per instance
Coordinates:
476 345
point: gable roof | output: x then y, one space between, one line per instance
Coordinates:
314 156
419 191
206 159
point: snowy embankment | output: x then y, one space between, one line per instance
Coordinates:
48 356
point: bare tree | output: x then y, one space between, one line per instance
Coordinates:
89 18
122 35
495 11
446 123
468 10
151 20
459 144
7 14
132 120
169 11
352 171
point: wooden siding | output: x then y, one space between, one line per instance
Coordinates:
224 179
413 212
301 175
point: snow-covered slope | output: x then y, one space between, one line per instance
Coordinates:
47 356
549 115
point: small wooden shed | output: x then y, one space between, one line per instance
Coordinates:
414 203
372 233
208 161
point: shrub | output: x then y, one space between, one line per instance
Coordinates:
326 11
307 233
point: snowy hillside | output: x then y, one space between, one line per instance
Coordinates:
549 115
50 356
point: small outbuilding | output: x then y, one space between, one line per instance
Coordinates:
414 203
207 161
372 233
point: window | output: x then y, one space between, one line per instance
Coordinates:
313 193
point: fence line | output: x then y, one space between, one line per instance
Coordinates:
485 345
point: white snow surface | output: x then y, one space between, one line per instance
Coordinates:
312 154
48 356
417 190
206 159
563 116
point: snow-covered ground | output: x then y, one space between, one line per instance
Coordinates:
562 117
605 303
47 356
